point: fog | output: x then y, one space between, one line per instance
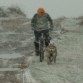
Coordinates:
56 8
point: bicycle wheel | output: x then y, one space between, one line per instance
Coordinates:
41 56
41 52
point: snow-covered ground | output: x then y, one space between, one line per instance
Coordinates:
69 63
14 45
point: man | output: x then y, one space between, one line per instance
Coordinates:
41 23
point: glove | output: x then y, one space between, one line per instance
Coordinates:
50 29
33 28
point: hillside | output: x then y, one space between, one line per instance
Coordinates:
13 11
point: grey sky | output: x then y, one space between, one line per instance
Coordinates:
55 8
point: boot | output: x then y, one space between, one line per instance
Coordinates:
47 42
36 44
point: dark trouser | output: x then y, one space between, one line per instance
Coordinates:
38 35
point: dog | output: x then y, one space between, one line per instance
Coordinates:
51 53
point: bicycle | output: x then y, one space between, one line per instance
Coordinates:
41 47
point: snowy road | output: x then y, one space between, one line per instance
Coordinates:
69 64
